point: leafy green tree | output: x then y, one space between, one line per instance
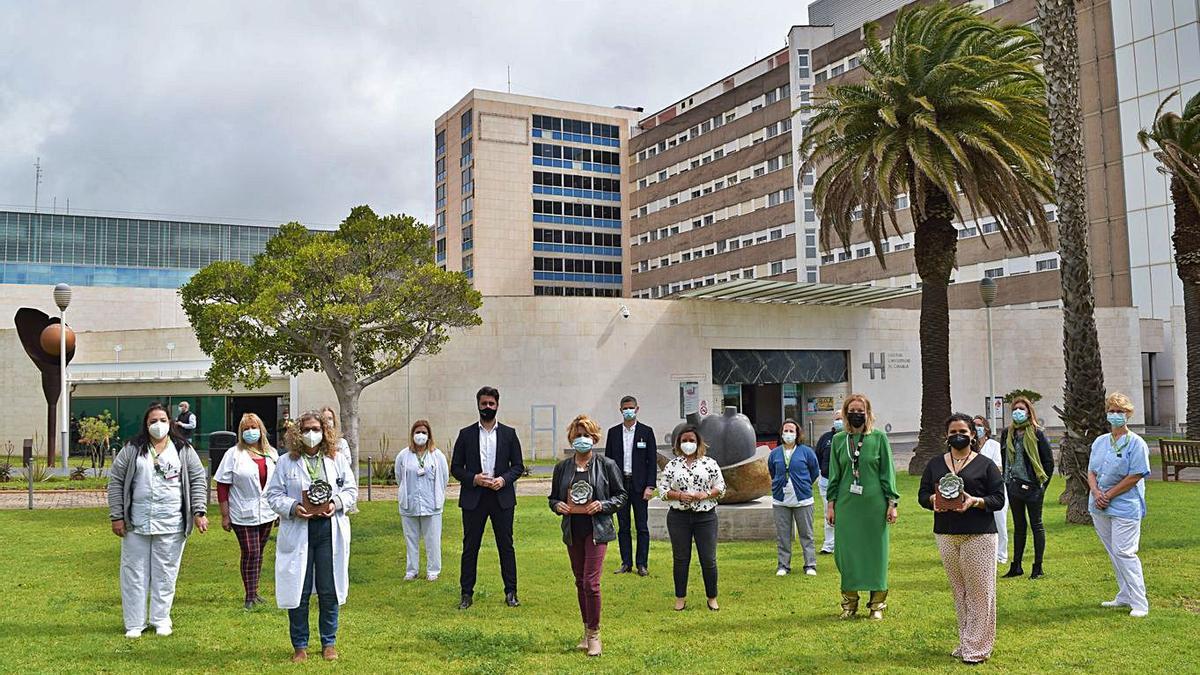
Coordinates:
1177 138
953 113
358 303
98 434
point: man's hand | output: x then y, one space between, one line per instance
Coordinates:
497 483
648 494
118 528
201 522
482 480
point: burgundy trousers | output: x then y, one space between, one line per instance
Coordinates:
587 562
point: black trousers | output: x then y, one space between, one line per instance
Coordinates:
624 538
1027 514
700 526
474 522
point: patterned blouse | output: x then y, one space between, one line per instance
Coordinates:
702 476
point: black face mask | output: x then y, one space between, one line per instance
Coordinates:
958 441
857 420
487 414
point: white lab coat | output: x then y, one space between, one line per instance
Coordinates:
239 471
284 491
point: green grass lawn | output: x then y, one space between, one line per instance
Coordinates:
62 608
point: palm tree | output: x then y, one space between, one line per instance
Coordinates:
953 113
1083 389
1178 142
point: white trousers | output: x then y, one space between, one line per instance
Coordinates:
1002 533
417 528
827 543
1121 537
149 567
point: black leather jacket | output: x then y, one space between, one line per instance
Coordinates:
608 488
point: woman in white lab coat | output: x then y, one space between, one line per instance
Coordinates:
241 477
313 548
421 479
990 448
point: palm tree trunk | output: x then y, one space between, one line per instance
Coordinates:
935 251
1187 264
1083 390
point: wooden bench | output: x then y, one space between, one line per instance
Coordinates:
1178 454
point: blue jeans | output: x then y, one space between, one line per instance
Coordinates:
320 559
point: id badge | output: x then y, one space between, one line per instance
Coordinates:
856 489
641 445
420 471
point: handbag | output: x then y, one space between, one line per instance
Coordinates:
1023 488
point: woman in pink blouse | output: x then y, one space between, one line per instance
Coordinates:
691 484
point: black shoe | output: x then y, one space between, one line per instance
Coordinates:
258 600
623 569
466 601
1037 572
642 571
1014 570
511 600
249 605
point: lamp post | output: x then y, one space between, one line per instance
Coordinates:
170 351
987 292
62 298
117 349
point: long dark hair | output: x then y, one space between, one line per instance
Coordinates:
963 417
143 439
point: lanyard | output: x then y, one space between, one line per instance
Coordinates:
314 467
1117 446
856 455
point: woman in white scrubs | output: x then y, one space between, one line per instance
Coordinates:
990 448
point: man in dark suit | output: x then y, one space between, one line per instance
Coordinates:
631 445
487 461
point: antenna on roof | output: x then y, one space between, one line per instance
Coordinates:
508 69
37 182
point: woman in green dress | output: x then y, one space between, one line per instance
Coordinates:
861 506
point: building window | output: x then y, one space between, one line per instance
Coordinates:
1046 265
466 153
468 185
776 268
440 170
902 246
468 206
802 63
465 122
439 143
441 196
993 272
989 226
837 70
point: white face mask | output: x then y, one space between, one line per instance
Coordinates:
420 439
688 447
159 429
312 438
789 437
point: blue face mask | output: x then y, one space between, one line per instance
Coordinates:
838 425
1019 416
1116 419
251 436
629 414
582 444
980 432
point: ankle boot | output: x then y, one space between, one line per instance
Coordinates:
1037 572
849 605
593 642
583 641
877 604
1015 570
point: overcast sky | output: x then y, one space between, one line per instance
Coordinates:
280 111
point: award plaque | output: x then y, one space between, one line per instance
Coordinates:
317 496
949 495
580 494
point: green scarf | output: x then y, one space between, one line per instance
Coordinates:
1029 436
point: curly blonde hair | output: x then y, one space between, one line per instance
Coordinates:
588 425
295 444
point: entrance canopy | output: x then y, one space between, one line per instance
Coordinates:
796 293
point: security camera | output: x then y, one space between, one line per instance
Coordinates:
624 312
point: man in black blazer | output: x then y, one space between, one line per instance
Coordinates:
631 445
487 461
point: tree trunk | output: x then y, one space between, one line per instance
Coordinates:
1083 390
935 250
1187 264
348 402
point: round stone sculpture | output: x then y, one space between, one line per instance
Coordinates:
50 339
731 442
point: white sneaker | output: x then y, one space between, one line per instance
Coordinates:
409 577
163 629
134 633
1138 613
432 577
781 572
1114 603
812 572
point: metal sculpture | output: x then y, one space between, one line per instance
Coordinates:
39 335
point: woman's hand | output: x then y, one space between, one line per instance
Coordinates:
698 496
892 515
1102 499
201 521
562 508
684 497
829 512
226 523
593 507
302 512
118 528
967 502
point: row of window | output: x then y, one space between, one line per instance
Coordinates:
724 213
552 151
773 268
552 236
714 248
549 207
465 122
696 191
717 121
584 266
576 181
578 277
747 141
576 126
572 291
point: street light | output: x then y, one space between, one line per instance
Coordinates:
62 298
170 351
987 292
117 349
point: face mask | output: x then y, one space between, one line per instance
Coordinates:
629 414
838 425
1117 420
312 438
789 437
980 431
487 414
420 438
159 429
958 441
251 436
688 447
582 444
857 419
1019 416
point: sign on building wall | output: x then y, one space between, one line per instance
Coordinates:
689 398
